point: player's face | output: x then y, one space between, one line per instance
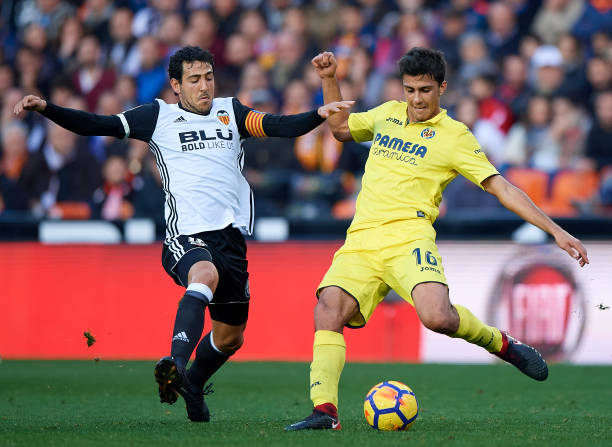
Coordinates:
197 89
422 94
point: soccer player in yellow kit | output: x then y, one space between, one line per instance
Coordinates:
417 149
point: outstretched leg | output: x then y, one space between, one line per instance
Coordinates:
436 312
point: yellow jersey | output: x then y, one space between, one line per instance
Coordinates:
410 164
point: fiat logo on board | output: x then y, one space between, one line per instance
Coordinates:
537 300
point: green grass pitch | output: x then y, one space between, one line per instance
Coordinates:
87 403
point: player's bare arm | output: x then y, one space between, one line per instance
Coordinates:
517 201
325 64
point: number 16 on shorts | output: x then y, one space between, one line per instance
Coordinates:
425 260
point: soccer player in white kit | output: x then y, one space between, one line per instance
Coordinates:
197 144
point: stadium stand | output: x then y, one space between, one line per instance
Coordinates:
532 181
571 191
533 82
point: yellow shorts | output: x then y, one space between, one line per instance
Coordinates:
394 256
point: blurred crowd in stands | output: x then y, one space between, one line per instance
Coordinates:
532 79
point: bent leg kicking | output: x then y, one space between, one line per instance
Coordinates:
433 306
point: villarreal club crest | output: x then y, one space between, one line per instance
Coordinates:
428 133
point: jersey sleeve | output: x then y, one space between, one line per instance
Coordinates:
361 124
84 123
470 161
258 124
240 112
139 123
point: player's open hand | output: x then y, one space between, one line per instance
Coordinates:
30 102
325 64
573 247
334 107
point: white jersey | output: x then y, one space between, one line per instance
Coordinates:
200 159
199 156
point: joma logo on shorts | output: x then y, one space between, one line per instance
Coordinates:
424 268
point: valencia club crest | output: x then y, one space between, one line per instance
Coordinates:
223 117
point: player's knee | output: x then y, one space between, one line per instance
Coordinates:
442 322
333 311
327 315
204 272
230 343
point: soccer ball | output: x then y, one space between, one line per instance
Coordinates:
390 406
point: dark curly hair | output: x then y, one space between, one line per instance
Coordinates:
423 61
188 54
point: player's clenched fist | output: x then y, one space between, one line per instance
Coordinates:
30 102
325 64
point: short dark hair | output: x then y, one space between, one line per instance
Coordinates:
188 54
423 61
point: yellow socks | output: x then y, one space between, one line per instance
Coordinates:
472 330
328 355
